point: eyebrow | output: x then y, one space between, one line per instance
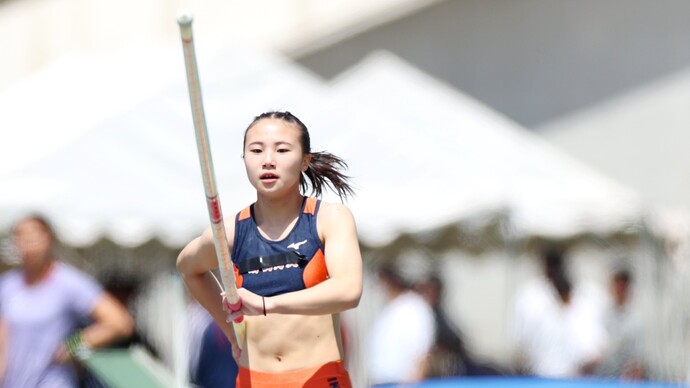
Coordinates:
276 143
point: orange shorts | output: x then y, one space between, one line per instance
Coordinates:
329 375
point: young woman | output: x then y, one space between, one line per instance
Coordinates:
296 258
42 304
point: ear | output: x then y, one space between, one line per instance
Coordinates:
306 161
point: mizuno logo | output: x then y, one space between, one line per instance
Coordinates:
296 245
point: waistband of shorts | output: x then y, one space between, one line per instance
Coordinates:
292 376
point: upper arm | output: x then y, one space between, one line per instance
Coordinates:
339 233
199 256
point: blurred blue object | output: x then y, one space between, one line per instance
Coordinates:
533 382
217 368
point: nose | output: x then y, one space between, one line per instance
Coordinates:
268 160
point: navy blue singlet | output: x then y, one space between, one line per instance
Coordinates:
269 268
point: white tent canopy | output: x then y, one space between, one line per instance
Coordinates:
640 138
74 94
134 174
421 154
427 155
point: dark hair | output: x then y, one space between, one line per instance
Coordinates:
557 272
553 261
325 169
622 275
393 275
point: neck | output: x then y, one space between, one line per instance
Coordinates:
273 211
38 274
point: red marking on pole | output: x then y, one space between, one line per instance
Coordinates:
214 209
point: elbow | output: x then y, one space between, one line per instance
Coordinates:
182 264
126 328
351 304
352 297
355 301
119 319
122 325
190 260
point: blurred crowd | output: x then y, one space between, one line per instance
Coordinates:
52 314
561 329
558 329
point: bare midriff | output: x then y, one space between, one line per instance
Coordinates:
279 343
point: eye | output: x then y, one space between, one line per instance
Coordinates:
283 150
255 150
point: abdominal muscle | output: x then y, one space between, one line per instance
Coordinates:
278 343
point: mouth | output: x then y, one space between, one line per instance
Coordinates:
268 177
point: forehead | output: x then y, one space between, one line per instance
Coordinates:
273 128
30 226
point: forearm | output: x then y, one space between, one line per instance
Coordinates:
194 264
204 289
328 297
99 335
111 322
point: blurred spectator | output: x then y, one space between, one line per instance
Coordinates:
216 368
431 288
125 289
198 321
556 326
403 331
624 353
42 305
448 356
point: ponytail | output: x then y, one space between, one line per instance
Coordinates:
325 169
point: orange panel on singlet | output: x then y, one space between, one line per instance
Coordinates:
316 271
310 206
245 213
238 277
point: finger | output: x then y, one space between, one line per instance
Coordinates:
224 301
234 306
227 306
236 316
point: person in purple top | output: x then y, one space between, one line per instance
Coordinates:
43 303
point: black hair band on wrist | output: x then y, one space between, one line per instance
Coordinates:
263 300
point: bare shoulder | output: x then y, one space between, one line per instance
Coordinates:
335 219
335 212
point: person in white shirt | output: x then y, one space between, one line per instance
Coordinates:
556 326
403 332
624 356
